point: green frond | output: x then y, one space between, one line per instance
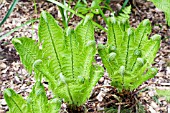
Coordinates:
14 101
37 99
82 92
104 54
53 105
29 52
52 46
163 5
124 16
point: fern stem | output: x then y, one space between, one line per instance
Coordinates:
127 52
139 47
72 59
17 105
114 35
68 89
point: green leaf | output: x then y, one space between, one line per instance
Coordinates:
54 105
164 93
104 54
29 46
37 99
17 28
163 5
75 13
14 101
9 11
29 52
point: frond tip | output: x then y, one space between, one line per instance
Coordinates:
37 62
15 40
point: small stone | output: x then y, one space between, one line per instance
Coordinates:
154 105
23 87
2 111
101 80
151 93
168 71
151 110
2 66
99 108
3 102
164 103
100 96
28 90
17 79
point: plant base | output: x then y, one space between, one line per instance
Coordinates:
122 101
75 109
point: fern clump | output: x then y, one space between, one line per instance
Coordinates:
37 102
129 53
65 58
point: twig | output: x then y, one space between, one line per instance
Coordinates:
165 84
135 102
104 86
119 107
163 88
139 89
105 104
122 103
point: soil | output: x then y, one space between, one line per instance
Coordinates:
13 75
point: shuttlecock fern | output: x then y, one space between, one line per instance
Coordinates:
36 102
129 53
65 59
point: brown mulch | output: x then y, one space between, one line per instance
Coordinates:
13 74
